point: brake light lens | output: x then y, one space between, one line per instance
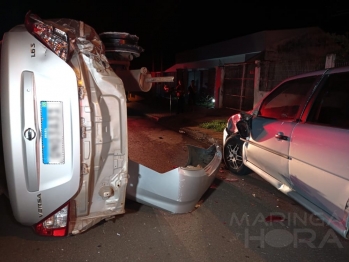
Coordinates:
53 36
55 225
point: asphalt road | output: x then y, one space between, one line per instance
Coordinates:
232 222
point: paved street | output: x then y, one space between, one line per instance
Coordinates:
238 219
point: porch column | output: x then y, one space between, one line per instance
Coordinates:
257 78
218 88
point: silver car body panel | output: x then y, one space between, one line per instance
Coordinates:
328 159
177 190
266 151
104 147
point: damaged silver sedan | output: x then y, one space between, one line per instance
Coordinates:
64 131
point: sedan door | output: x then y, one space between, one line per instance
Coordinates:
319 169
268 147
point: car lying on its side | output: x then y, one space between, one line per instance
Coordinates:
64 132
297 139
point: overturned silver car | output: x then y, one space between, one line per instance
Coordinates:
64 131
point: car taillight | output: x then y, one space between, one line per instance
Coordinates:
54 225
53 36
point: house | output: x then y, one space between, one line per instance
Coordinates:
238 72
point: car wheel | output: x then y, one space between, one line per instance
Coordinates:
232 155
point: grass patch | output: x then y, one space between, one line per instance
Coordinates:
216 125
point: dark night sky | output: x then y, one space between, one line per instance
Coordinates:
165 27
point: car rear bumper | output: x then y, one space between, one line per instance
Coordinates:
178 190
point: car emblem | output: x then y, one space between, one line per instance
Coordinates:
29 134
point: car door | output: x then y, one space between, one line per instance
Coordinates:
268 147
319 169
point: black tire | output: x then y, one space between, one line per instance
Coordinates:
232 156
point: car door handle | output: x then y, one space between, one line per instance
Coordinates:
280 136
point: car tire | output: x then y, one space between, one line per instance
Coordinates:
232 156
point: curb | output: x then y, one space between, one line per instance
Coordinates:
202 136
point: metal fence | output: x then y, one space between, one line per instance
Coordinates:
238 86
239 79
274 72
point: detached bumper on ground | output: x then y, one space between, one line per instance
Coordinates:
178 190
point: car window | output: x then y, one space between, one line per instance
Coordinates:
331 105
286 101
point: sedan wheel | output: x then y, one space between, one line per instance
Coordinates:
232 155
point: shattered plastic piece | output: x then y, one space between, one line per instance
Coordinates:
198 167
274 219
232 180
198 204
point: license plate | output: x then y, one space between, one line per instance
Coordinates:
52 132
